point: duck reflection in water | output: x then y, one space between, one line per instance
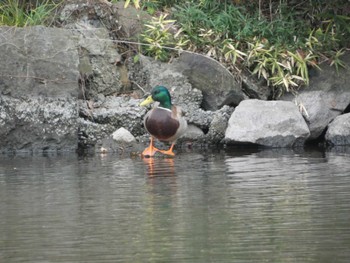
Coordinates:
160 167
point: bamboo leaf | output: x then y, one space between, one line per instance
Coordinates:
127 2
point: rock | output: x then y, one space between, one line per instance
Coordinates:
218 125
122 23
131 21
39 89
160 73
38 61
121 112
104 117
98 62
193 132
218 85
267 123
38 124
97 13
199 117
96 26
91 133
338 132
327 96
319 108
109 145
123 135
253 87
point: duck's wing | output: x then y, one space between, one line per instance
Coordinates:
178 114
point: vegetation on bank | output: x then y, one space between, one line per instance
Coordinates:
277 40
21 13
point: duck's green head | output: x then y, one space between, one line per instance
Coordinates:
160 94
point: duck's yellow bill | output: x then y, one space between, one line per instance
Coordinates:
147 101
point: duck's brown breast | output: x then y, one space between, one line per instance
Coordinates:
161 124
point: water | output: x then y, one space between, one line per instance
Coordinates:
257 206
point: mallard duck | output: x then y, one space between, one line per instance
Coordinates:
164 122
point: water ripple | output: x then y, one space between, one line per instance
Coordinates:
258 206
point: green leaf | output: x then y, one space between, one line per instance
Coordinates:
127 2
136 59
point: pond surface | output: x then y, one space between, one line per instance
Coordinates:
257 206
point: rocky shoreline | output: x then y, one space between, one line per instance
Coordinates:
73 89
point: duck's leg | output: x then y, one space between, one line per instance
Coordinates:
170 151
150 150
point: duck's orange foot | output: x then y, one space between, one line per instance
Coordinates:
168 152
150 151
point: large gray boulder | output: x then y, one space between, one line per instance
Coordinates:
160 73
38 61
218 85
338 132
327 96
100 27
267 123
38 89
